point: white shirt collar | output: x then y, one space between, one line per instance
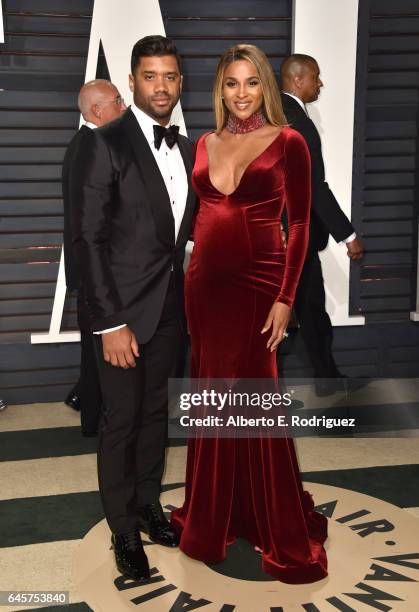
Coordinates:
146 123
297 99
90 125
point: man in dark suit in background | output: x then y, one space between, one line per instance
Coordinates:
131 224
99 102
300 81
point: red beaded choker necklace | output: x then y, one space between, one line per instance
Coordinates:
243 126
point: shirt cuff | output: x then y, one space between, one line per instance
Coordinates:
106 331
349 238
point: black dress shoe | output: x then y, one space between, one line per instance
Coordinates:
73 401
130 557
354 384
329 386
155 524
296 405
340 382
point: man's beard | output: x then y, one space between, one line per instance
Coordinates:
156 112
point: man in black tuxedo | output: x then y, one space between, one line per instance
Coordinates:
300 80
131 226
99 102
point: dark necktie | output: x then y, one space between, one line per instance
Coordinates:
170 135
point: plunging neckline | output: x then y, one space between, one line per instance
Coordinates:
227 195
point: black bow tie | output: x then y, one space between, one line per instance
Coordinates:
170 135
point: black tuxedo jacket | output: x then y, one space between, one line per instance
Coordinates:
327 217
123 227
71 272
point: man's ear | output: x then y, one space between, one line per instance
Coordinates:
181 82
131 82
298 82
96 110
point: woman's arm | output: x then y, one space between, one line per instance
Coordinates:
298 200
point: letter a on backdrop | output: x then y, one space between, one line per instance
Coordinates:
117 26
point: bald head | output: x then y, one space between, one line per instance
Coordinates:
300 76
100 102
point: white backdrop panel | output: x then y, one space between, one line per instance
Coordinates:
327 30
119 26
1 25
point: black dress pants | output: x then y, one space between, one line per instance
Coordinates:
133 434
315 325
89 386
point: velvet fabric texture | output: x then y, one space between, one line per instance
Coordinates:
250 487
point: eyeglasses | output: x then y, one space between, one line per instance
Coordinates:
119 101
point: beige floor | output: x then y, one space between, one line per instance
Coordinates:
37 567
38 416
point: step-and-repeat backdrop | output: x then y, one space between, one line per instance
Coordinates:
326 30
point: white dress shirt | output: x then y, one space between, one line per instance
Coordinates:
303 106
172 169
90 125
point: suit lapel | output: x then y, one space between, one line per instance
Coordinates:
152 179
184 230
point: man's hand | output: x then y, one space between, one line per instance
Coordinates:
355 249
278 318
120 348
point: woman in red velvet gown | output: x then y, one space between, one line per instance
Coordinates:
240 287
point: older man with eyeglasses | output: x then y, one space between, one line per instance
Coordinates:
99 102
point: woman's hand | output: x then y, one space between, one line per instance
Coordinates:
278 318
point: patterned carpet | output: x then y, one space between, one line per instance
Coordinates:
49 498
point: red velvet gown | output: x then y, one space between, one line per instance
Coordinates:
250 487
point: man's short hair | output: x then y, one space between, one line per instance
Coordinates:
150 46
